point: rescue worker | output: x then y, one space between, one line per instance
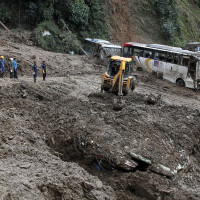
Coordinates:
2 66
35 71
44 70
10 64
15 68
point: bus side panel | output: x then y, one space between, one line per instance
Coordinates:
147 64
171 72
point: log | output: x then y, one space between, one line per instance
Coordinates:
83 51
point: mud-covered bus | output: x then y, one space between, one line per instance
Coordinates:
193 46
101 48
174 64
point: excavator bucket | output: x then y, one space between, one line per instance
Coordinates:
118 104
119 80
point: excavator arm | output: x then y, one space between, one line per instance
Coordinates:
118 79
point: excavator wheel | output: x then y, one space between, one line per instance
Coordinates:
134 82
128 88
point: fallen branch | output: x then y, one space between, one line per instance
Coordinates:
83 51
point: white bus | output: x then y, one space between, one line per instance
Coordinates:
101 48
174 64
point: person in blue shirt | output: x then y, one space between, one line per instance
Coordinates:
44 70
35 71
2 66
15 68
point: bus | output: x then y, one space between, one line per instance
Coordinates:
174 64
101 48
193 46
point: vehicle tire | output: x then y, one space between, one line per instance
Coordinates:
180 83
128 88
134 83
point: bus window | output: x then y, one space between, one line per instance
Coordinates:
148 54
137 52
185 61
160 56
89 47
169 58
126 52
177 59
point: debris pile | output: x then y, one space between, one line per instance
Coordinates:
62 139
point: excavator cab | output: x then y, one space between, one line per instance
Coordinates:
118 78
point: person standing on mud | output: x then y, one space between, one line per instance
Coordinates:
2 67
15 68
10 65
44 70
35 71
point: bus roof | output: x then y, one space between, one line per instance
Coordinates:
103 43
94 40
110 45
163 48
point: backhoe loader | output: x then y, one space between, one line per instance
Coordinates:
118 78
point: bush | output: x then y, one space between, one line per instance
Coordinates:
169 18
79 13
58 41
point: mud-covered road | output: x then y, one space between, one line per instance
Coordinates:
61 139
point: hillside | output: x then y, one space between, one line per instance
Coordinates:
172 22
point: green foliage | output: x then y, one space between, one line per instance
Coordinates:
31 13
168 12
85 18
58 41
79 13
5 13
197 2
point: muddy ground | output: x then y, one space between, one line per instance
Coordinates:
61 139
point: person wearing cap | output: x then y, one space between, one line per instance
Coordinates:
2 66
35 71
15 68
44 70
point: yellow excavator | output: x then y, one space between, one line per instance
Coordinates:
118 78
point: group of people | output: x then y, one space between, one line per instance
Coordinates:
35 71
13 69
